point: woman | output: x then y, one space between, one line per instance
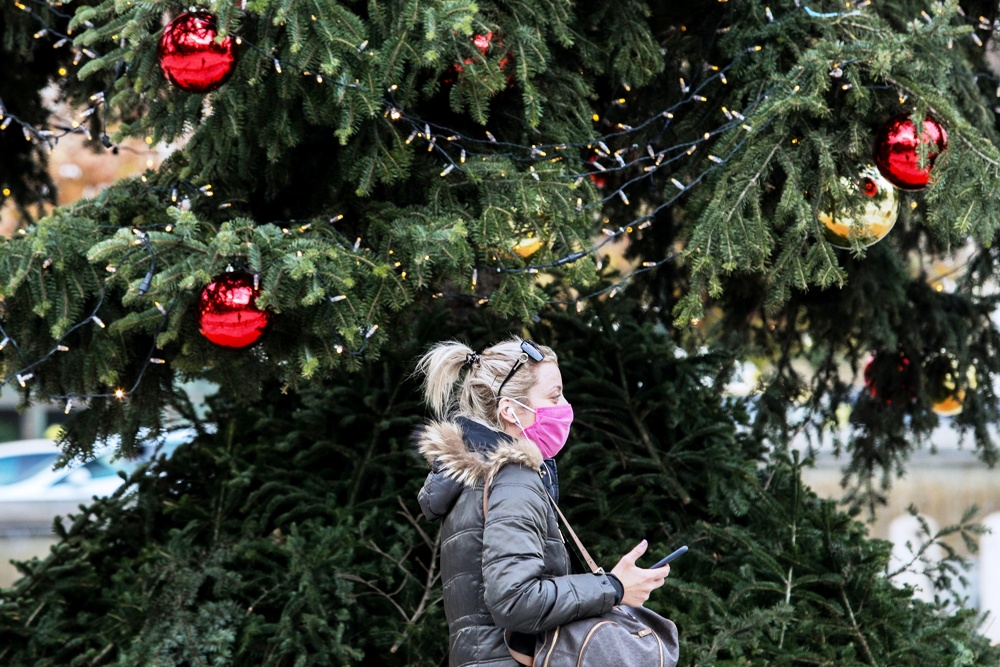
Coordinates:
501 417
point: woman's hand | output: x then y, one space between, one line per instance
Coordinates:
638 582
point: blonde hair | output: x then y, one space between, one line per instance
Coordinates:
449 393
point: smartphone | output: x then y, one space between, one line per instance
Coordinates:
671 557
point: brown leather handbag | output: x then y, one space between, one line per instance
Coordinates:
623 637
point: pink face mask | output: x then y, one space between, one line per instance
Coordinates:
551 428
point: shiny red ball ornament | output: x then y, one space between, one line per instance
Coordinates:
869 187
599 179
190 57
896 151
227 311
483 43
891 377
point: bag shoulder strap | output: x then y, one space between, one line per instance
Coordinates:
591 563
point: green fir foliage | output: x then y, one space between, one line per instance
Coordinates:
364 160
375 165
291 535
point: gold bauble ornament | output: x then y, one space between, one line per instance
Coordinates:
867 214
528 247
946 384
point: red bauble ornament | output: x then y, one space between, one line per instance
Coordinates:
896 151
599 179
191 58
227 311
891 377
484 43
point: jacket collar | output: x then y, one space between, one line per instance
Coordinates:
470 452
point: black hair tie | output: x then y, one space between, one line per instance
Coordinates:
470 359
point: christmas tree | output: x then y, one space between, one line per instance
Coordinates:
628 181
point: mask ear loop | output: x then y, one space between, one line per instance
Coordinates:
514 415
517 421
529 409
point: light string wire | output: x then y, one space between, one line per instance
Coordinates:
50 137
980 23
645 220
600 142
99 98
625 130
612 235
26 372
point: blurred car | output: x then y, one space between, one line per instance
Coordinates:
27 473
32 492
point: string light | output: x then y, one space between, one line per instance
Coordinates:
655 159
51 136
492 139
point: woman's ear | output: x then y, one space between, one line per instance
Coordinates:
506 410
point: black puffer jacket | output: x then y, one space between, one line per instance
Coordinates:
512 573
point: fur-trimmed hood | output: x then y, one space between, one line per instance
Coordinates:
469 452
464 453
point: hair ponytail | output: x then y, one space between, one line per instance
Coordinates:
442 368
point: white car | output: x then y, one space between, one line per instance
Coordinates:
32 492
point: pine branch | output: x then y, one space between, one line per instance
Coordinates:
857 629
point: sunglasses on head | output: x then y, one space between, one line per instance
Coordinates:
529 350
